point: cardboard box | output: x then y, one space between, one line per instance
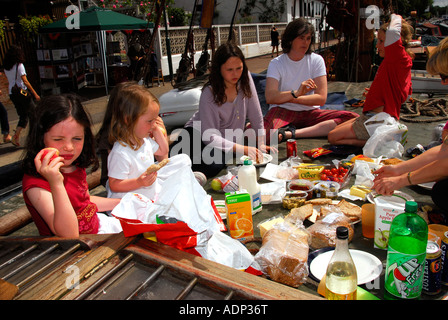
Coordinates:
239 215
386 209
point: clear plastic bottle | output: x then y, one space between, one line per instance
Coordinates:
247 180
341 278
406 254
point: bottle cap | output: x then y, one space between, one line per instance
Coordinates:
342 233
411 206
247 162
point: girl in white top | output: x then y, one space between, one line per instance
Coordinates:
296 88
139 137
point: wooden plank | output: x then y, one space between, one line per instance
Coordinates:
245 284
55 285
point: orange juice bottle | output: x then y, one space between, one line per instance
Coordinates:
239 215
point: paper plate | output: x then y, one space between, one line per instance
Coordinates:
368 267
266 159
221 206
427 185
398 194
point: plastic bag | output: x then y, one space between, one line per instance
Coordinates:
387 140
227 251
283 255
380 119
183 216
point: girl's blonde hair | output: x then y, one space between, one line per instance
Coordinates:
406 35
438 59
129 104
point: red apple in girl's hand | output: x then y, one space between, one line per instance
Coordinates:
45 152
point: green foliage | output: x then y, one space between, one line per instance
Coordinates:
2 31
177 17
266 10
31 24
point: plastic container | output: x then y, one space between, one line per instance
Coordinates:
294 199
247 180
326 189
301 185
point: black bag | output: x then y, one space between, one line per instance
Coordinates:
19 93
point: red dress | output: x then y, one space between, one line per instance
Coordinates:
77 189
392 84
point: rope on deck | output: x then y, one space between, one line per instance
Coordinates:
435 109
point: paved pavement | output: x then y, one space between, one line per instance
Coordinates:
95 101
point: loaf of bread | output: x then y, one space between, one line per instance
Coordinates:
157 166
301 213
351 210
284 254
323 232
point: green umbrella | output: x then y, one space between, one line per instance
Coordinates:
98 20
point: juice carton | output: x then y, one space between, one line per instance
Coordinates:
239 215
386 209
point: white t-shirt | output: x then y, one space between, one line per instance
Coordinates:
11 75
125 163
290 75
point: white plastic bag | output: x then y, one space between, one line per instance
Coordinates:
182 216
230 252
387 140
380 119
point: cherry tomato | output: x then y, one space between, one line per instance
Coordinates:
326 171
334 171
323 177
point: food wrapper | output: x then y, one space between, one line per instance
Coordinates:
272 192
316 152
323 232
309 172
283 255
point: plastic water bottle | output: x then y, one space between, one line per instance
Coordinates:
341 278
247 180
406 254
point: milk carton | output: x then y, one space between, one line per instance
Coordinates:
386 209
239 215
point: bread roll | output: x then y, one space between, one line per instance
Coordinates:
157 166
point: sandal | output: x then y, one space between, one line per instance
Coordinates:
283 131
16 140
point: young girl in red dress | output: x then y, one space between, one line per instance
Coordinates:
54 184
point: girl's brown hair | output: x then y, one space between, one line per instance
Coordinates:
295 29
438 59
406 35
128 105
216 81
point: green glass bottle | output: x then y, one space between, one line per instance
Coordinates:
406 254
